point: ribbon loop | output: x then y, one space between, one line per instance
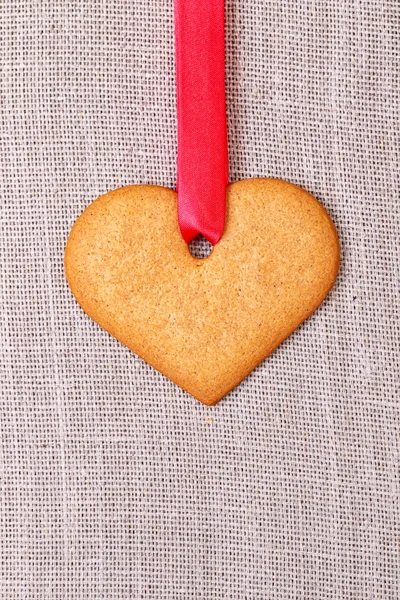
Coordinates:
201 108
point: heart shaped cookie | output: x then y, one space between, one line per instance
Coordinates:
204 323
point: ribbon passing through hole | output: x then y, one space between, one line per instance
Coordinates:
201 109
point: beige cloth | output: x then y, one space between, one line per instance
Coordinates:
114 484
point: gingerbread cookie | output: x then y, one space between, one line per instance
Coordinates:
204 323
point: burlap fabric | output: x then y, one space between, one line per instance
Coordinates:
114 483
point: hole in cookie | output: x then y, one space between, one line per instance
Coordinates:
200 247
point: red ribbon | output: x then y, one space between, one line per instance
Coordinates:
202 132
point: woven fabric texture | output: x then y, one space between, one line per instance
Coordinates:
115 484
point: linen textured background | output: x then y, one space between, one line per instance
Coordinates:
115 484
